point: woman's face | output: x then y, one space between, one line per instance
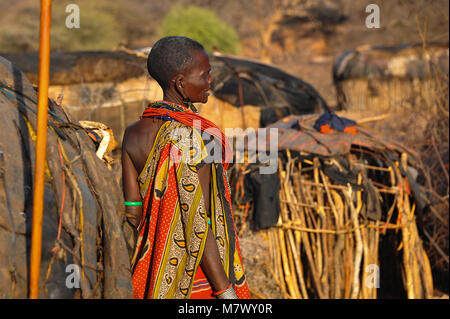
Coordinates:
197 78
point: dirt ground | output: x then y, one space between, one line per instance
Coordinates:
255 255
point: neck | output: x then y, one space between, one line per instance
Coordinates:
171 96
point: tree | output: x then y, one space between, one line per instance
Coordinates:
201 25
100 27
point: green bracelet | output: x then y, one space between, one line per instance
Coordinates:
133 203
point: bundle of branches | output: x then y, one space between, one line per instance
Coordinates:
84 247
347 222
434 178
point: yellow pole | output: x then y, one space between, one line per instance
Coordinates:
41 145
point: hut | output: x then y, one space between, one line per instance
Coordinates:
343 219
408 85
85 244
382 79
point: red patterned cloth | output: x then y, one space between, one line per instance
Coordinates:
201 289
174 226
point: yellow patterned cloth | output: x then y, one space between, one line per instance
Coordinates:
173 229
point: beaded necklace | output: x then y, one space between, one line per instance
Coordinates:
168 106
176 112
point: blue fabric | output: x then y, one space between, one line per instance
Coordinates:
335 122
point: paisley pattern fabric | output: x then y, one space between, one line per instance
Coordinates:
173 229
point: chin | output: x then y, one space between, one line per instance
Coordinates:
205 98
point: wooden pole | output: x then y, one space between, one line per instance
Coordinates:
41 145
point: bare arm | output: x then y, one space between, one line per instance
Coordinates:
130 187
211 265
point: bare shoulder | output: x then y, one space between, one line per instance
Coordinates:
141 131
131 133
138 140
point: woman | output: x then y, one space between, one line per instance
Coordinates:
187 245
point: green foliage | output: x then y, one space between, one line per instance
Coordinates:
201 25
100 29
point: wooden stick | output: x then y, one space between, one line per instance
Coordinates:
348 265
376 168
290 250
287 253
298 267
373 119
339 246
293 225
364 288
41 146
321 258
285 263
278 283
308 251
279 262
343 188
359 246
444 169
409 279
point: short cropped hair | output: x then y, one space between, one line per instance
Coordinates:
170 56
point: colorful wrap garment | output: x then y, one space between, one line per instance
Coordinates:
174 225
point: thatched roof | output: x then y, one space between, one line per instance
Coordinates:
82 67
408 61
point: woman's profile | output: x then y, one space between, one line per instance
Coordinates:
187 245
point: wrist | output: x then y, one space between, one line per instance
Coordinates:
227 293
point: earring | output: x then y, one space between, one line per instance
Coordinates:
188 103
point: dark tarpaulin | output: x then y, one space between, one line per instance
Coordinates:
245 82
296 133
262 190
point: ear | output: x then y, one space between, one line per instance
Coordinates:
178 84
175 80
179 81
